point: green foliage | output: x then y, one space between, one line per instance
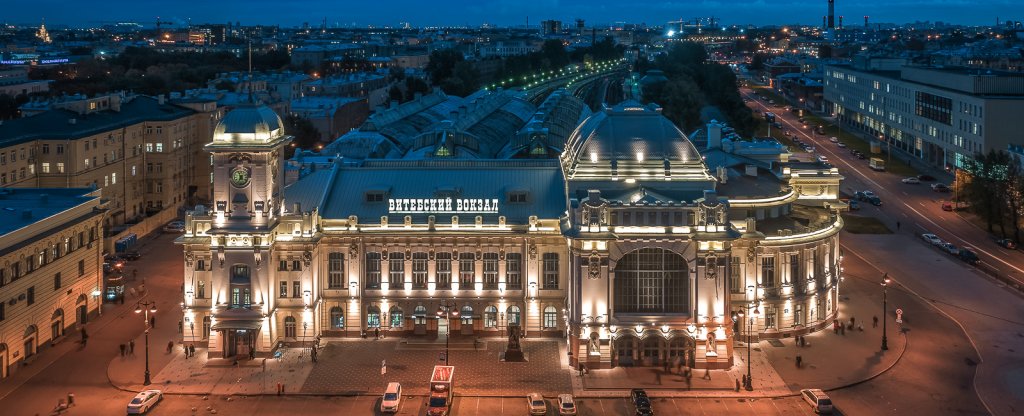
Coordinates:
993 187
449 70
306 136
415 85
693 82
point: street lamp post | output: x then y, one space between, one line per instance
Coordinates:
148 308
885 286
748 383
448 311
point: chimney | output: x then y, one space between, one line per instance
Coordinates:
714 135
296 208
161 99
751 225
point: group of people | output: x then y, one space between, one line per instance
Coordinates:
128 349
190 350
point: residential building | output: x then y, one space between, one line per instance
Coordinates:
143 152
50 268
332 116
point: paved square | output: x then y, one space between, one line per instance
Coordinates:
354 367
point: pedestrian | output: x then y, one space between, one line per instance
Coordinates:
192 349
264 365
122 350
71 399
853 321
799 361
131 347
181 326
170 346
897 225
874 321
842 329
252 353
580 367
152 322
835 327
737 384
376 333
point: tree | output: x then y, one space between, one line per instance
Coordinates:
395 94
415 85
306 135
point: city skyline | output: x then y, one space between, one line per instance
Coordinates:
511 13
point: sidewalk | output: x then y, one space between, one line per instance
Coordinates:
201 375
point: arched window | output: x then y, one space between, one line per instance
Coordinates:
550 317
57 327
513 315
289 327
652 346
651 280
419 315
397 317
337 318
373 317
466 314
490 317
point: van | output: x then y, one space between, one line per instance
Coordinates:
392 399
818 400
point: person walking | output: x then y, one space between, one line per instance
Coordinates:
853 321
192 349
835 327
122 350
152 322
874 321
170 346
71 399
131 347
897 225
376 333
799 361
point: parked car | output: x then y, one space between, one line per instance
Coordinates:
818 400
911 180
949 248
392 399
864 195
861 156
931 238
925 178
854 205
131 255
566 405
144 401
823 158
968 256
947 206
874 200
1007 243
536 405
777 125
841 144
174 227
641 402
833 139
940 187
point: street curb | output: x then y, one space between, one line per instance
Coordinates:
981 360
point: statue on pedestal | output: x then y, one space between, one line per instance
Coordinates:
514 351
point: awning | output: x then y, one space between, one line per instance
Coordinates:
239 324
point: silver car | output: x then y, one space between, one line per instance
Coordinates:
144 401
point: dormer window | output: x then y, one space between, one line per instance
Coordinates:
518 197
375 196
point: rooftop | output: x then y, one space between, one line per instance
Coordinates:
21 207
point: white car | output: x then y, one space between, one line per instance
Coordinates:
818 400
911 180
823 159
392 399
932 239
841 144
833 139
144 401
536 405
566 404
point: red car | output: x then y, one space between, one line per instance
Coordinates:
947 206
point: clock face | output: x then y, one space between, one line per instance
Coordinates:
239 177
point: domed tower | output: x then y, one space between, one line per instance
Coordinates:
247 152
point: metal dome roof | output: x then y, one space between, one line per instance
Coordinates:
633 141
249 123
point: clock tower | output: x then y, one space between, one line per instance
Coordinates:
237 232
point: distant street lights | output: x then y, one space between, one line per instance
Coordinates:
447 310
885 286
148 308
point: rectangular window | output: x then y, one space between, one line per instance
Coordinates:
419 270
296 289
490 271
444 270
514 271
3 312
60 167
56 281
201 290
31 295
81 268
335 267
296 265
769 317
768 271
46 167
550 318
60 149
396 269
284 290
373 270
467 270
735 276
794 269
282 266
798 314
550 270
